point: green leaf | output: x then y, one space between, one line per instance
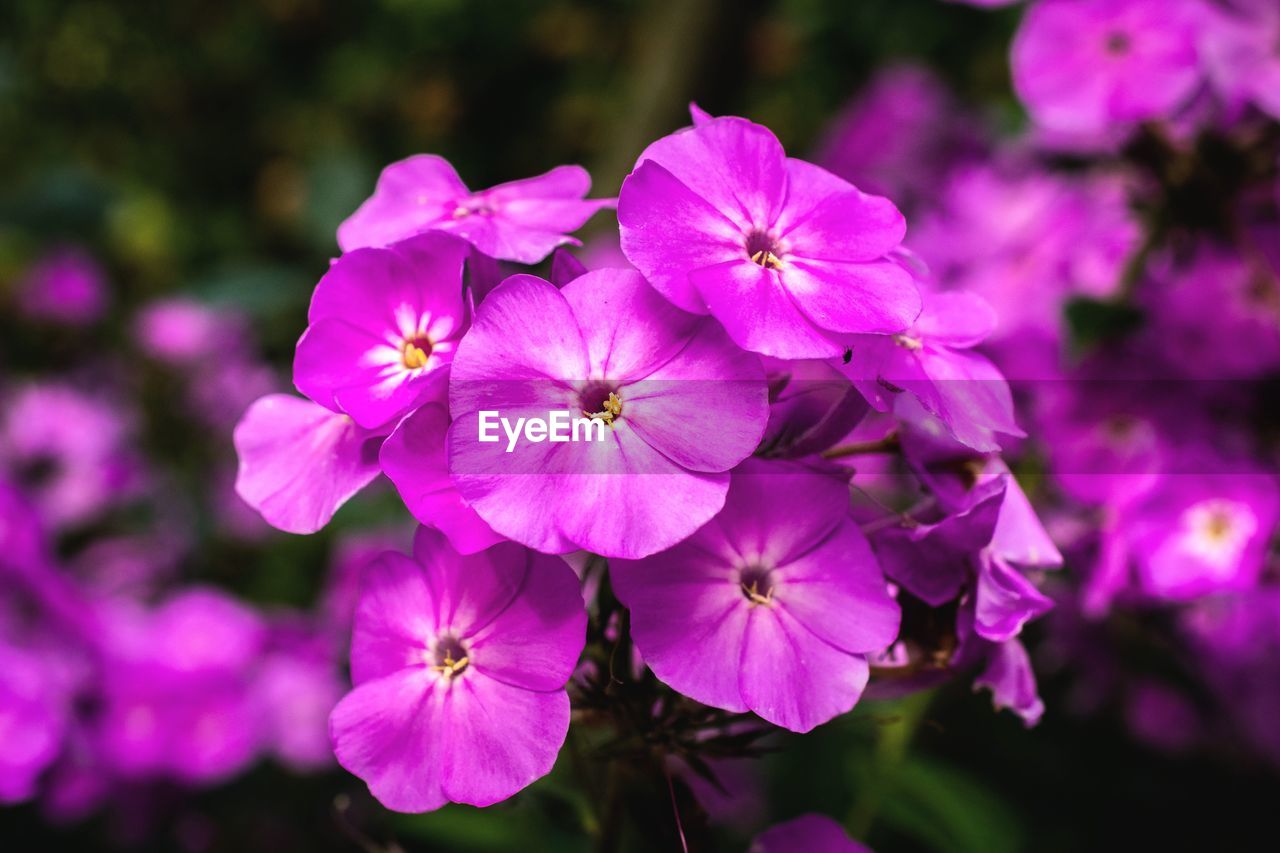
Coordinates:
948 810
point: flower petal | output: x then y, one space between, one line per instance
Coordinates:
299 462
497 739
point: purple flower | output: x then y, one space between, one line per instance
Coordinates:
414 457
294 688
299 462
771 607
901 136
670 402
1009 677
1203 305
520 221
1196 534
811 833
383 324
177 695
459 665
34 717
184 332
784 254
811 407
1083 66
934 363
69 451
994 228
1240 55
66 286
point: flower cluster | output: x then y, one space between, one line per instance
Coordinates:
768 332
122 668
1139 297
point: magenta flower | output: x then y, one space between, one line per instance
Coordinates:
176 696
520 221
784 254
1239 45
1012 682
383 322
811 407
34 717
673 405
1193 535
414 458
65 286
459 665
933 362
69 451
1083 66
771 607
811 833
300 462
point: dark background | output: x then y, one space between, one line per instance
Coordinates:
211 148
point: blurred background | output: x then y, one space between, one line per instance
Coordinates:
203 153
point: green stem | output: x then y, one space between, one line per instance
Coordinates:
888 444
893 741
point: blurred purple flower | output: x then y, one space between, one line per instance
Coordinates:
1239 42
900 136
65 286
1085 66
69 451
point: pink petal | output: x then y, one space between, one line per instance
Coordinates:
879 297
411 195
759 313
667 232
735 165
825 217
414 458
299 462
793 679
837 591
603 303
394 620
391 732
498 739
535 642
688 620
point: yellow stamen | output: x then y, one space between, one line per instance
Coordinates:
414 356
753 594
907 343
767 259
451 667
611 407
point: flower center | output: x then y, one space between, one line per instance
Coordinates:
470 207
1118 43
451 658
1218 530
610 407
908 343
415 351
763 249
756 585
